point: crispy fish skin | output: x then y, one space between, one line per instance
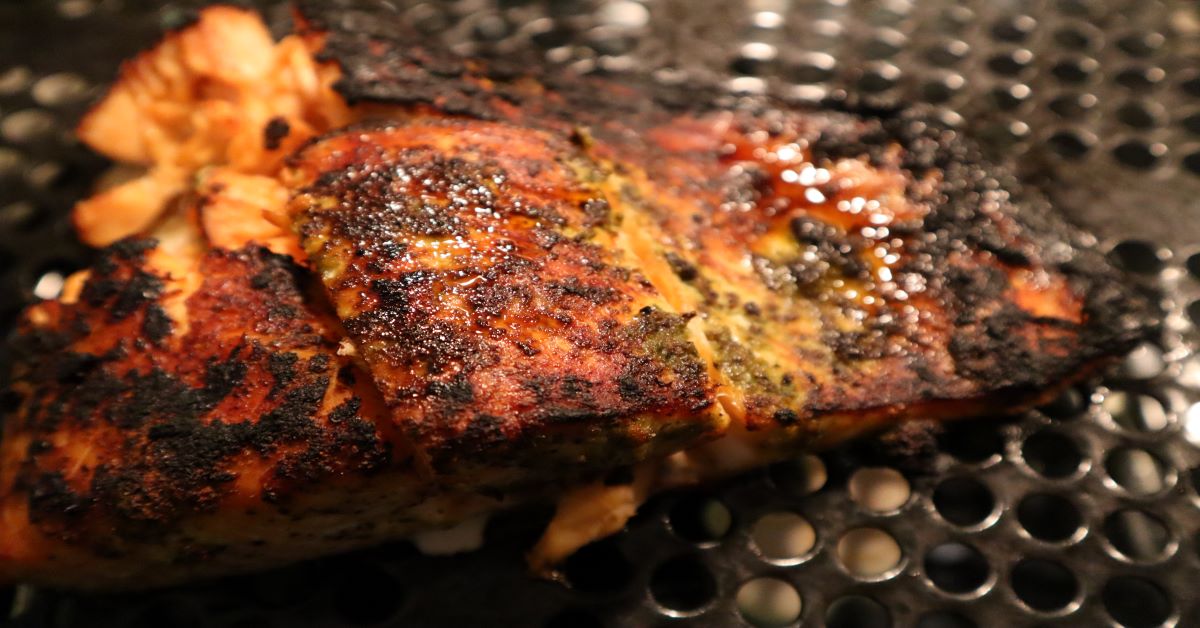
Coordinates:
476 268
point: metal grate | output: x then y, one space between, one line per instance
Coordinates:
1083 513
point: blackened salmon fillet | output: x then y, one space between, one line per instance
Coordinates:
375 288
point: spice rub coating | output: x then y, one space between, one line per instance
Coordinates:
477 268
846 265
838 265
154 399
504 280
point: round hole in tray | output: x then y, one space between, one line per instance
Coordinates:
884 47
799 476
1191 163
755 58
888 13
1193 311
963 501
957 568
11 162
1141 44
1193 265
18 216
574 618
623 13
1010 63
1070 144
944 619
598 567
769 602
1075 71
869 553
1068 405
1049 517
1077 8
1044 585
1136 602
489 27
972 441
1139 77
1137 534
810 67
1191 123
1137 256
44 174
1144 362
1189 377
699 518
26 125
767 19
554 37
366 594
879 78
857 611
1073 38
14 79
72 9
954 18
1139 154
167 612
1010 97
1191 84
1139 115
683 584
1135 412
879 489
783 536
1052 454
948 53
1136 470
60 89
942 89
288 586
1014 28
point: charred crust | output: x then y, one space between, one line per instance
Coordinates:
575 287
189 409
274 132
50 497
786 417
282 366
598 212
533 306
385 60
973 206
156 325
685 270
178 411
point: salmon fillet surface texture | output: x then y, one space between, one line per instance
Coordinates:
360 288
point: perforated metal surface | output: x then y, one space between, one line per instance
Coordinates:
1085 513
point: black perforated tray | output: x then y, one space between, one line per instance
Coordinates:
1083 514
